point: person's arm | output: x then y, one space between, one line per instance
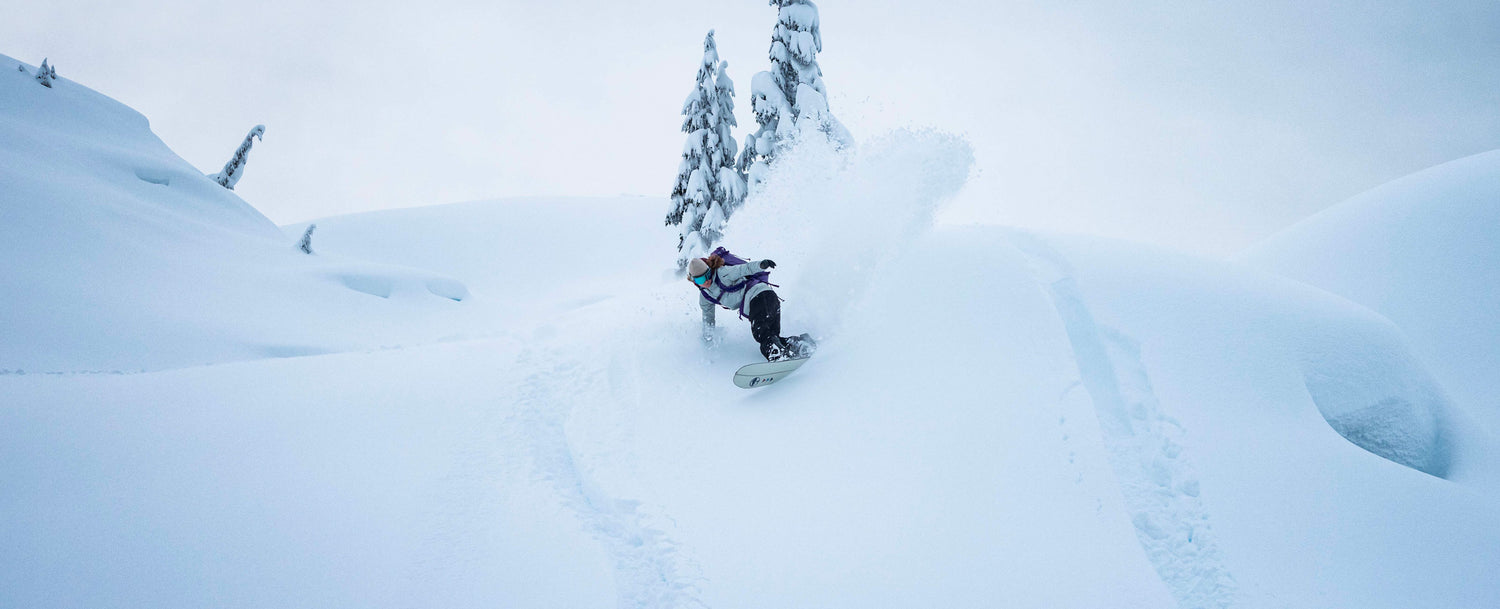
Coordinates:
731 275
708 317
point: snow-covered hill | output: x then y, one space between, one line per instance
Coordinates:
1423 252
519 257
995 418
119 255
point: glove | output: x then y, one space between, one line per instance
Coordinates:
767 264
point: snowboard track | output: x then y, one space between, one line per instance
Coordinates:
650 570
1159 485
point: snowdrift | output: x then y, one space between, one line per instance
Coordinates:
1423 252
122 256
1251 376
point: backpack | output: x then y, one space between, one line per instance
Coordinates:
733 260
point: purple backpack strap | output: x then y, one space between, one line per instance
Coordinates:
709 298
761 277
733 260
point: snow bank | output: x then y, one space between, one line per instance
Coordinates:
1421 251
122 256
1218 390
1354 364
69 150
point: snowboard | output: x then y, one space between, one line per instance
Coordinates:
761 374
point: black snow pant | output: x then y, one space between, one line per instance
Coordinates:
764 312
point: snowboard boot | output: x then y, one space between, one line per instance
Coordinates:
776 351
801 345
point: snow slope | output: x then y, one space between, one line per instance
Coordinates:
995 418
1082 442
1423 252
121 256
1242 365
501 248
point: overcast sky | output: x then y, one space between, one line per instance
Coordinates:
1197 125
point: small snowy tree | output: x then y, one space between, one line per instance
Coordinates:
235 168
790 98
709 187
45 74
306 243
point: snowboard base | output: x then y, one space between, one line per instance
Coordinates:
761 374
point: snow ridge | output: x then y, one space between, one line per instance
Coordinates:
649 569
1159 484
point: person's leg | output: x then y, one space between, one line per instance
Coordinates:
764 312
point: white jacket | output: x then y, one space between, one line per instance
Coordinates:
735 301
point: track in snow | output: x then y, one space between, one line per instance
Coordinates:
1158 482
650 571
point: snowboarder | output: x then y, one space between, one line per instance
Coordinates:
739 285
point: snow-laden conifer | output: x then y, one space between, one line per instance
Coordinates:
45 74
790 98
306 243
235 168
709 186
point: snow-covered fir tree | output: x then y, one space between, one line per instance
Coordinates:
306 243
709 186
790 98
235 168
45 74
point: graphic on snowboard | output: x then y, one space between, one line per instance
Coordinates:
761 374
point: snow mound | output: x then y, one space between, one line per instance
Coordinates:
1369 387
122 256
1215 387
78 158
1353 363
1422 252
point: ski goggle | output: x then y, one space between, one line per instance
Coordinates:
701 280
